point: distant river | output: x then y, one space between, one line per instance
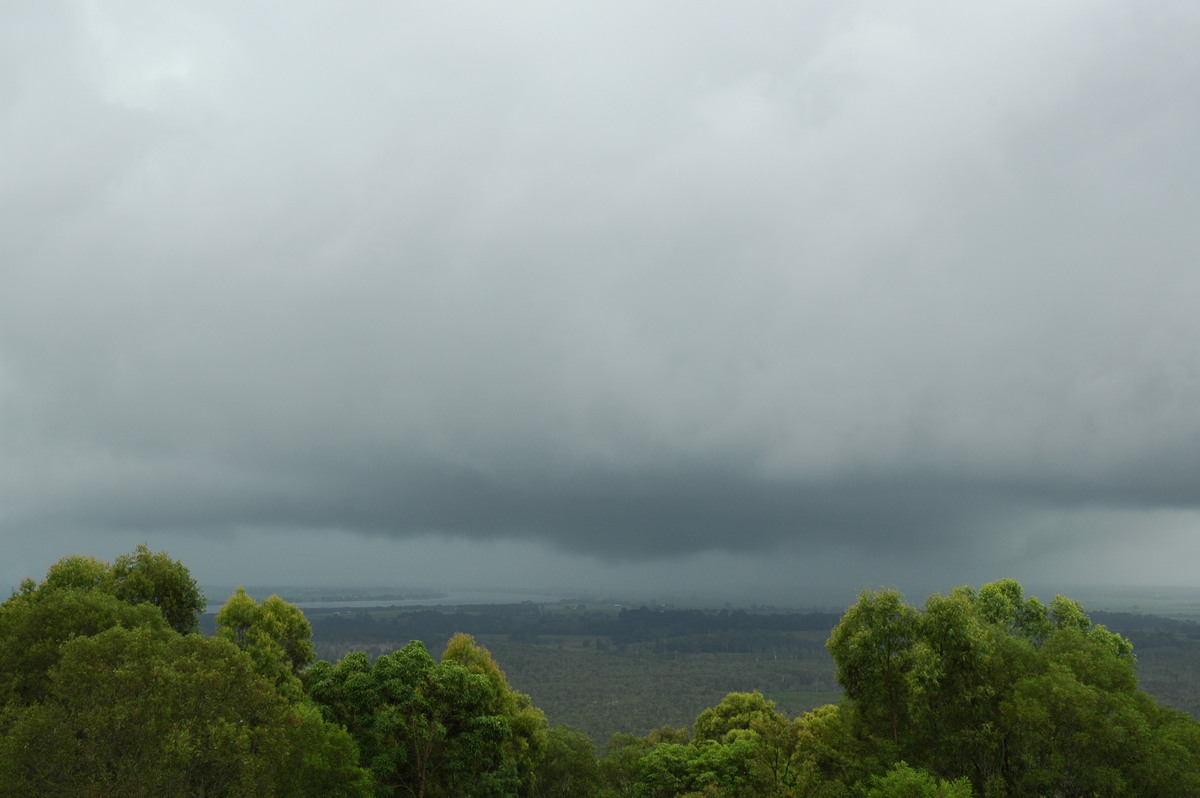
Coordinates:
453 599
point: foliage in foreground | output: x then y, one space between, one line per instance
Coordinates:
106 689
102 693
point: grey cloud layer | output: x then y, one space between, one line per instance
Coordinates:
633 282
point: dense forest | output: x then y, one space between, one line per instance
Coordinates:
109 686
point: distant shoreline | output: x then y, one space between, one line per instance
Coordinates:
451 599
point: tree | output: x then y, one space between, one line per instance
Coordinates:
903 781
568 767
37 622
322 758
737 712
83 595
433 729
741 747
148 712
872 648
994 687
81 572
767 736
620 764
526 739
153 577
831 758
101 693
140 577
274 633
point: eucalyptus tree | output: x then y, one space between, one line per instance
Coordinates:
1019 697
273 632
148 712
429 728
103 693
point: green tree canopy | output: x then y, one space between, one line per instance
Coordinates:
1020 698
153 577
431 729
738 712
36 622
568 767
273 632
526 739
141 577
902 781
149 712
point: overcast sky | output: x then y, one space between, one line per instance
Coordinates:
767 296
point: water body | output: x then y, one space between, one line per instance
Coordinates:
453 599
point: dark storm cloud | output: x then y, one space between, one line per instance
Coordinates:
630 281
621 516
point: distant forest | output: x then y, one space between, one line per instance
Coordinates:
691 630
650 669
110 685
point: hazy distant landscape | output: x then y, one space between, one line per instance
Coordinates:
622 665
